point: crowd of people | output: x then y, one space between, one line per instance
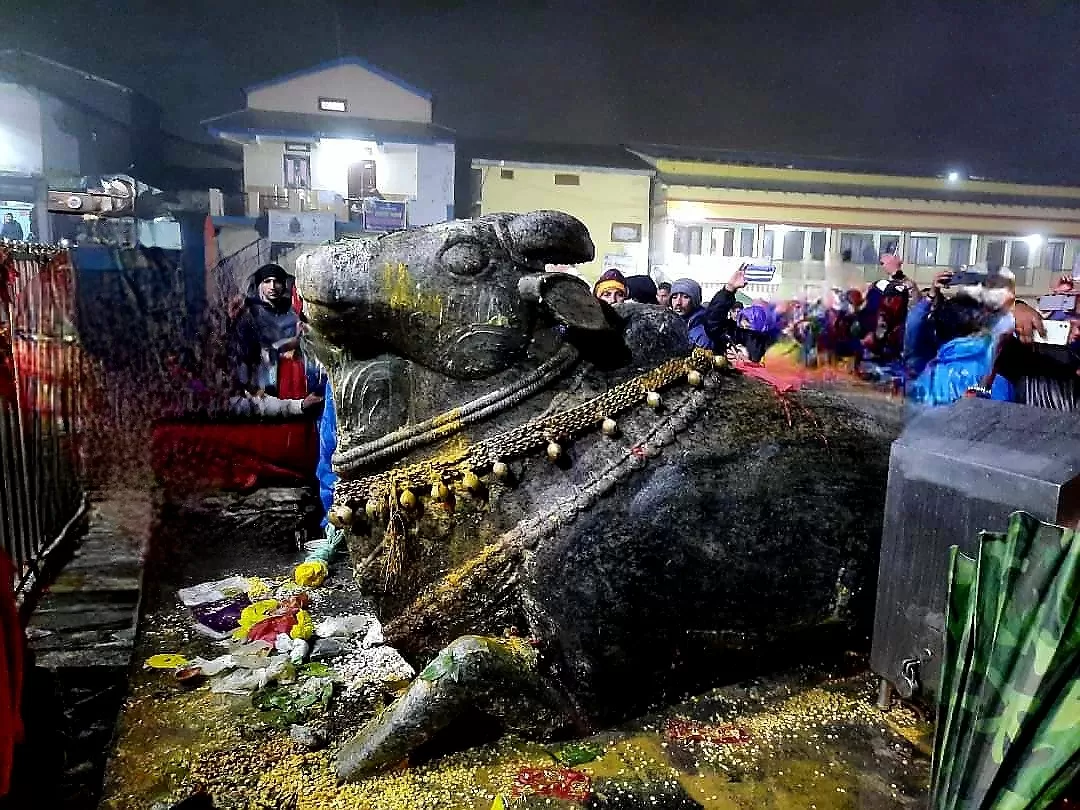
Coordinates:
966 334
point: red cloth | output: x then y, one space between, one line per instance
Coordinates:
11 673
234 455
292 377
269 629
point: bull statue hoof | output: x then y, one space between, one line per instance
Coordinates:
496 677
515 453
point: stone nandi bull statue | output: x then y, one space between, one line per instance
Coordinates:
573 505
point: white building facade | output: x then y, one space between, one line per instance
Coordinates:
344 138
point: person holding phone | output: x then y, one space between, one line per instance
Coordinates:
717 323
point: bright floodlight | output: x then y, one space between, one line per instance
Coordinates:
954 177
1034 240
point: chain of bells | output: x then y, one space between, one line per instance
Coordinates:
394 490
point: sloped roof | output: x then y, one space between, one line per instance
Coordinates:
333 63
20 63
831 163
554 154
274 124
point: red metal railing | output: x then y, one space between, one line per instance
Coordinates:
43 396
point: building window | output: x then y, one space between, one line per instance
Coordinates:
817 246
859 248
723 242
567 180
746 242
688 240
297 171
506 174
333 105
1054 256
995 252
922 250
625 232
794 242
959 251
768 245
1020 255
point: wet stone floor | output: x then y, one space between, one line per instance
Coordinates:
792 741
808 738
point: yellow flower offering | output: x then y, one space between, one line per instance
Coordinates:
311 574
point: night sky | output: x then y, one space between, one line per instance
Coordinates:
993 87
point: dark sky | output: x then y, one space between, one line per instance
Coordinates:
992 85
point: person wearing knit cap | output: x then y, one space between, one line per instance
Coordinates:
686 301
641 289
611 287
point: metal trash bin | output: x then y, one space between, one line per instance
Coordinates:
954 472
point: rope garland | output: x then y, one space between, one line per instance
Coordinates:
446 424
380 491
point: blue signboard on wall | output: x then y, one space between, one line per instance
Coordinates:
383 215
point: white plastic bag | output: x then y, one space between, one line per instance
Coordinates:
206 592
343 625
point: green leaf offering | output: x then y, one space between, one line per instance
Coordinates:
578 754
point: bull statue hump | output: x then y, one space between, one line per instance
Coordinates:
560 506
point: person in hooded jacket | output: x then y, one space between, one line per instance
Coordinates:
270 375
686 301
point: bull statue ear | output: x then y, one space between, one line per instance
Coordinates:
591 325
568 301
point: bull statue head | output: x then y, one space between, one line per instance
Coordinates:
417 320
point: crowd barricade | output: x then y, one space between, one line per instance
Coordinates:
45 382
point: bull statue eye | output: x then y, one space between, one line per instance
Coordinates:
464 258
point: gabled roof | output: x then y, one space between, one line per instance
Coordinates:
555 154
249 123
333 63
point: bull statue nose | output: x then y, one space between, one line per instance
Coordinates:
540 238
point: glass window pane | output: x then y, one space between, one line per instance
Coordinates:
746 242
861 246
767 248
923 250
1020 255
729 242
817 246
695 240
959 251
995 252
793 245
1054 256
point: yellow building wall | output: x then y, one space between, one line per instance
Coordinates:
602 198
697 203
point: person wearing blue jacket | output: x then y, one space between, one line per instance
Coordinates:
686 301
951 343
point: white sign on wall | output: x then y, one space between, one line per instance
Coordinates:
623 262
300 227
